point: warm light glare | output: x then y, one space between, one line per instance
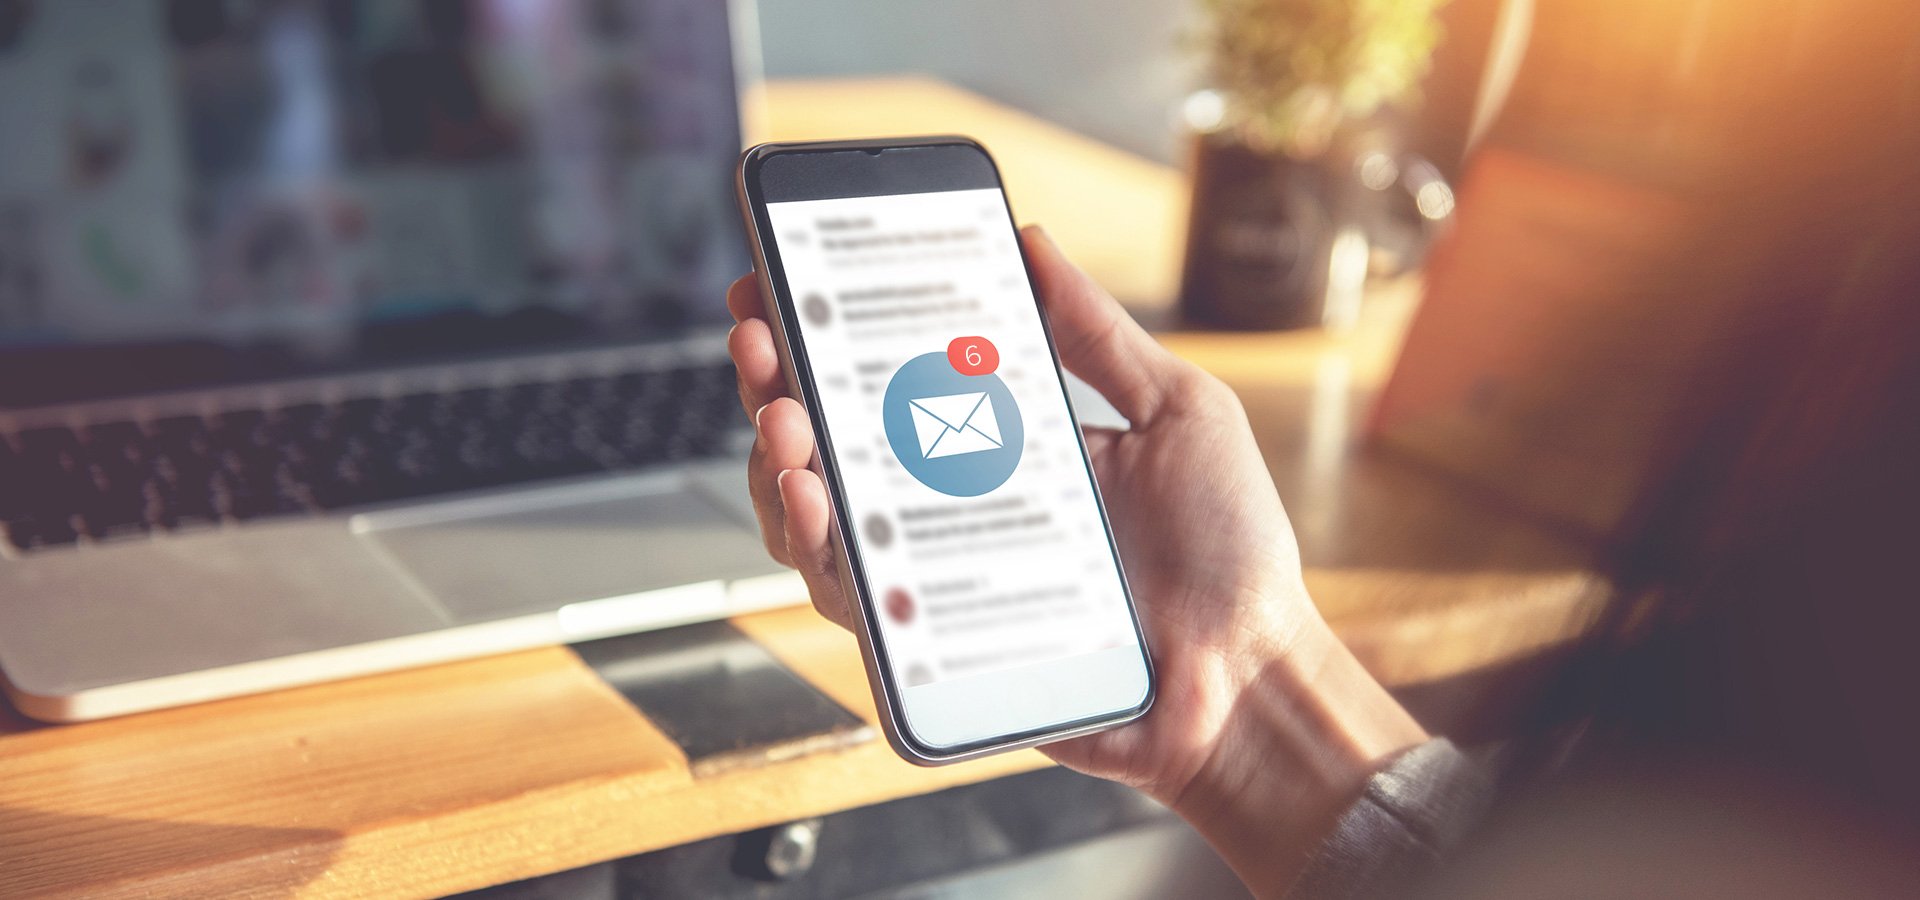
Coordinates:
1204 110
1378 171
1435 200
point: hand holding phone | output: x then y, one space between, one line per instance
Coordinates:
1196 514
1265 723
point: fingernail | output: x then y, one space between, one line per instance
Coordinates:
780 480
759 434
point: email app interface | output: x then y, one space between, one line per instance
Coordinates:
970 503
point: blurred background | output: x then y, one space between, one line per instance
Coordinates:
1582 338
1116 72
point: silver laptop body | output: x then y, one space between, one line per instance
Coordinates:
332 344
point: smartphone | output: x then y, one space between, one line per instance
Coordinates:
989 599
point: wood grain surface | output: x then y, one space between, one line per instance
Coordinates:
442 779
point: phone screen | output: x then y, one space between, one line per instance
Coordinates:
963 480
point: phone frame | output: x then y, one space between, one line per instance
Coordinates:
793 363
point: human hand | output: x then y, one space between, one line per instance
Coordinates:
1207 548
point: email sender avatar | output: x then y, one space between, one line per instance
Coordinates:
958 434
955 424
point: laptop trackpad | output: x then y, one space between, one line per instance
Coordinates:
537 550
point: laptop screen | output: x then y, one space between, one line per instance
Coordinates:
205 191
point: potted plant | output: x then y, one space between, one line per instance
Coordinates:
1274 159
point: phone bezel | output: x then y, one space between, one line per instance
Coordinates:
798 371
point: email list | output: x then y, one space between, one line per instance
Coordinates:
970 504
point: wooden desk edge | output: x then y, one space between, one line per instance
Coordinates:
621 812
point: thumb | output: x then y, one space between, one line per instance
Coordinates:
1098 340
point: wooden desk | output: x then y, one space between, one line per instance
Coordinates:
458 776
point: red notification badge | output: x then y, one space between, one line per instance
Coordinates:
973 356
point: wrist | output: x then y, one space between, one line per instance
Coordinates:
1307 727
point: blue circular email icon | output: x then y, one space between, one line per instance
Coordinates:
957 434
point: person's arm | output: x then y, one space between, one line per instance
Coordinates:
1308 729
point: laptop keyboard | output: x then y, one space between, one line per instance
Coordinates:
120 479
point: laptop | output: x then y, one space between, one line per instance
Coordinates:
337 337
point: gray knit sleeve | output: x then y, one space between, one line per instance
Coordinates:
1411 812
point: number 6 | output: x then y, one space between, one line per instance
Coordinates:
973 355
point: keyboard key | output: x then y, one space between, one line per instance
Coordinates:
183 466
181 495
20 519
32 532
183 436
58 448
118 465
13 500
306 425
56 482
19 531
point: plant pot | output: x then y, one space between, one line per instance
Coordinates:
1260 238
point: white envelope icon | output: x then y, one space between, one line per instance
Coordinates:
955 424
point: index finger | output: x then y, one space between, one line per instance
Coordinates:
744 299
1097 339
